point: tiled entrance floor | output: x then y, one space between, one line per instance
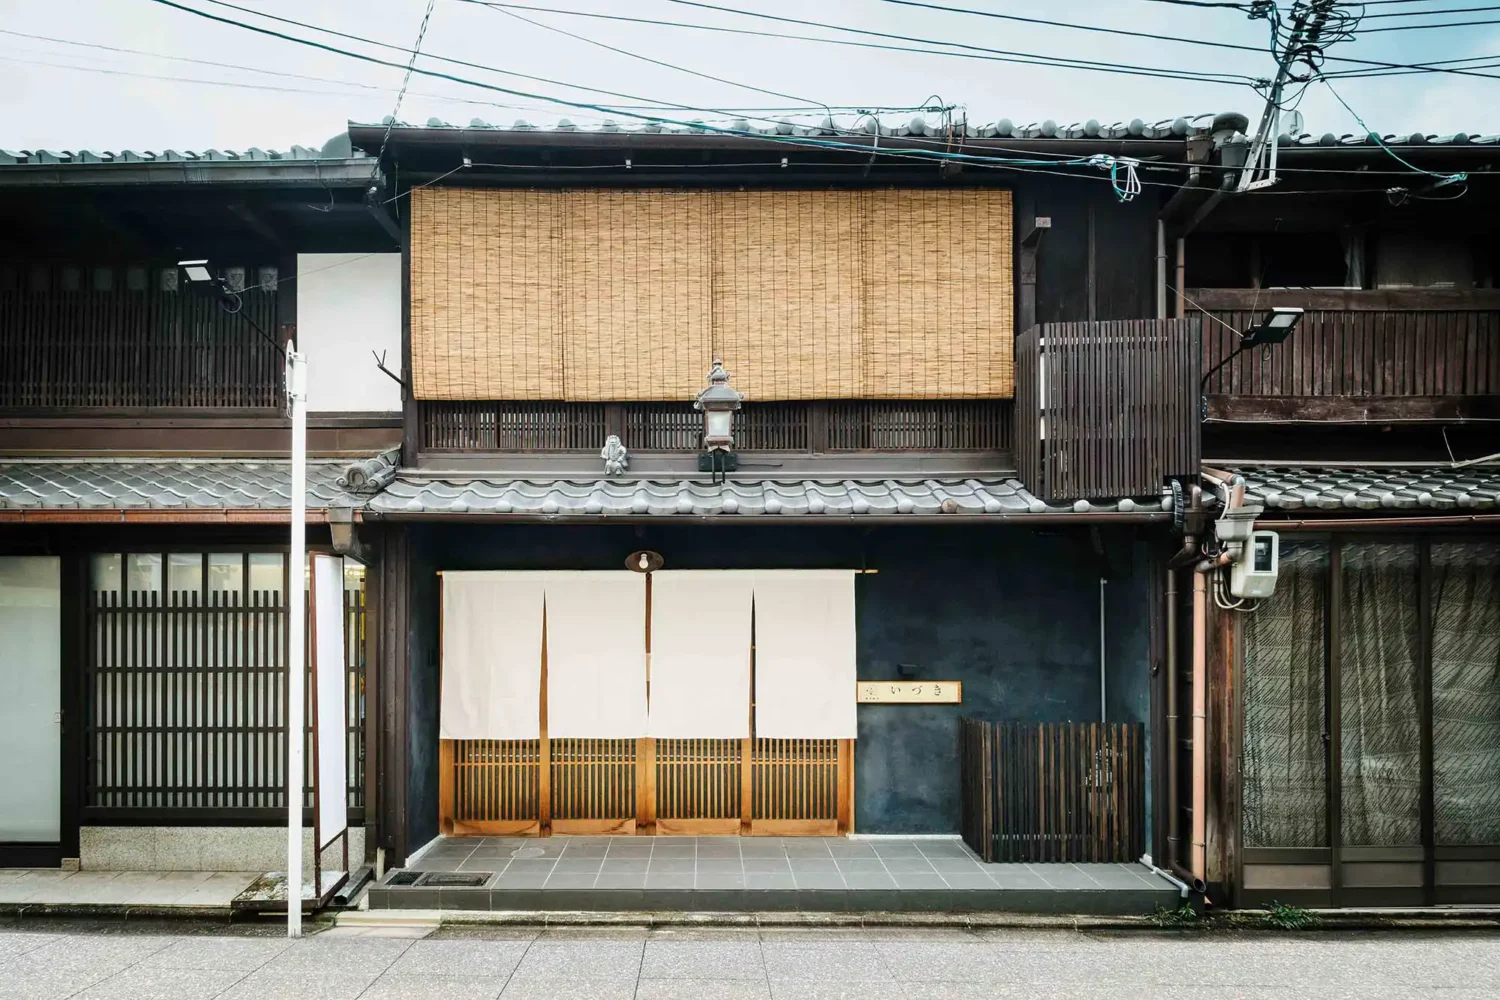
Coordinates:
49 887
818 874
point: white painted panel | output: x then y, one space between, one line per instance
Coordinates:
700 653
30 699
492 655
596 654
329 678
804 654
349 304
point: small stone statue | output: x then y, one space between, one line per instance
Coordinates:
616 458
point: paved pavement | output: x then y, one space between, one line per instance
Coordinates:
120 962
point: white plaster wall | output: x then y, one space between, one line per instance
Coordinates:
349 304
204 849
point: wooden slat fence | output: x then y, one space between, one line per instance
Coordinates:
1107 410
1359 353
185 707
1053 791
498 781
805 427
114 337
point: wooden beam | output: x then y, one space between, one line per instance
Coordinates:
846 788
1352 409
1348 298
256 224
445 787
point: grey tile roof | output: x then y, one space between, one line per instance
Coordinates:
862 125
415 495
187 484
1428 488
24 157
1305 139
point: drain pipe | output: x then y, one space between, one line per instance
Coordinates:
1182 557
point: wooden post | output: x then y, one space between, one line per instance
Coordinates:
544 747
645 751
846 787
747 746
445 787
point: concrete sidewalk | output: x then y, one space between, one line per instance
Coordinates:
527 963
48 887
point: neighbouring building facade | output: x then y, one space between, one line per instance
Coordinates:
982 441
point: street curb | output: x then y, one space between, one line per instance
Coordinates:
119 911
1238 921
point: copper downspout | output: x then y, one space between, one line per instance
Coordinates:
1185 555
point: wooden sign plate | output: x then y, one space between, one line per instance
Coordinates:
910 692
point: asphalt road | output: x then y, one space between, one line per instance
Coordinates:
177 962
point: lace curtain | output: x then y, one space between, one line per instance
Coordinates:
1285 789
1466 692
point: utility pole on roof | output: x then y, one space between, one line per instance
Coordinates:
1304 39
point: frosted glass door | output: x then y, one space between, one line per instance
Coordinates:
30 699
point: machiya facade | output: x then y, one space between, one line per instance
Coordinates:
949 574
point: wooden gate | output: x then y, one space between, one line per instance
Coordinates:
1072 791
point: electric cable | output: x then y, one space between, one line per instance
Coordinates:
401 95
654 62
969 51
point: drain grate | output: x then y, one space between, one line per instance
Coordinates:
404 878
455 880
527 852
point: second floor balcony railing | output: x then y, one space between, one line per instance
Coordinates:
128 337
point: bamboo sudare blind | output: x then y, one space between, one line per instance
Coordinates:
620 295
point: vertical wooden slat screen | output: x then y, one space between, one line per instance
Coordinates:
496 786
795 787
593 785
697 786
795 426
1359 353
626 295
127 342
185 700
1053 792
1109 409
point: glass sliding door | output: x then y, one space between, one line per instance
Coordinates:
1284 751
1370 743
1466 720
1380 701
30 712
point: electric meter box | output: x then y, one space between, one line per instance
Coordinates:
1254 573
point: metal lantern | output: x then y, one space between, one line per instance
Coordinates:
717 403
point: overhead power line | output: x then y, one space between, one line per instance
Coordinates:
968 51
1429 13
646 102
1418 27
648 59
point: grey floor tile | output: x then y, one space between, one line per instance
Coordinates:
678 865
583 958
300 984
720 864
460 958
571 880
226 954
139 983
393 986
571 988
718 880
869 880
954 864
567 863
110 952
823 990
621 880
664 959
769 880
812 865
703 989
669 880
919 880
968 880
870 864
617 865
841 960
819 880
900 865
354 956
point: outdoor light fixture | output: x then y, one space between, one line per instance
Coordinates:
196 270
717 404
1274 327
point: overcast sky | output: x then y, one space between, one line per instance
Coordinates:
272 93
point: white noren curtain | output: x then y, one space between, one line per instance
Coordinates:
700 654
596 654
804 654
492 656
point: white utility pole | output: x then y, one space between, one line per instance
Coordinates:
296 666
